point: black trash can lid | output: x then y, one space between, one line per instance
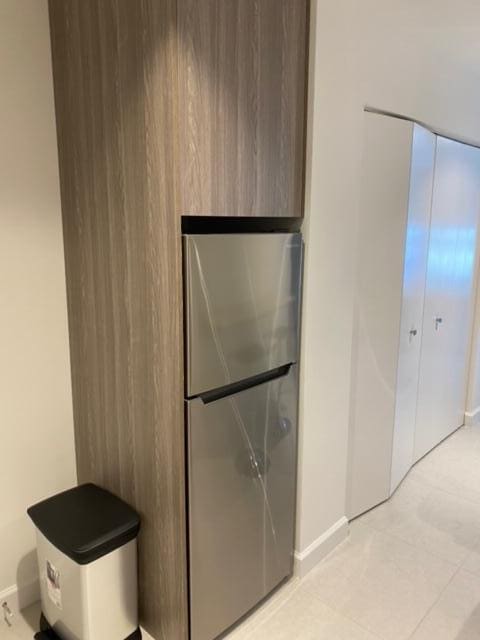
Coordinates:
85 523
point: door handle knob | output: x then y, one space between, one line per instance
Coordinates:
413 332
438 322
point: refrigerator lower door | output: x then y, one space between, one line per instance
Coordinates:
242 485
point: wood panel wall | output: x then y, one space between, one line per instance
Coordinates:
116 130
164 107
242 81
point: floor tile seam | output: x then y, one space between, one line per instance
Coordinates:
271 609
452 494
466 500
437 600
417 548
470 572
432 488
420 476
332 610
343 614
376 634
476 543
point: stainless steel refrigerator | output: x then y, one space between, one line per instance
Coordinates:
242 308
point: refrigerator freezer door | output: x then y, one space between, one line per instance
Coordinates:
242 306
242 482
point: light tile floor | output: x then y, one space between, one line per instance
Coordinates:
409 570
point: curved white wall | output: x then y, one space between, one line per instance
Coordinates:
421 59
36 425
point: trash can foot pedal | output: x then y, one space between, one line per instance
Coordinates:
47 633
50 635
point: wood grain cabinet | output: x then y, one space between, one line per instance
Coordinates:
241 106
164 108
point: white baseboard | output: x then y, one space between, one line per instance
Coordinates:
20 598
321 547
472 418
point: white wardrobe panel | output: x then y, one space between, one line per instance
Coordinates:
449 294
381 243
414 276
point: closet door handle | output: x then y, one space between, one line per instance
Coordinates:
412 333
438 322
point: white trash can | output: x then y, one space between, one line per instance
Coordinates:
87 558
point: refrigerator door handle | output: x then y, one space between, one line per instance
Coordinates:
242 385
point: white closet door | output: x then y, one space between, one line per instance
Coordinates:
414 276
383 216
449 294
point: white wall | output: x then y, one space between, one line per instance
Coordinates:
36 426
420 59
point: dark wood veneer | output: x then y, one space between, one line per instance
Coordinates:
242 79
116 137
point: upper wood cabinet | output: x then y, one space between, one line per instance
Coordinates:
241 106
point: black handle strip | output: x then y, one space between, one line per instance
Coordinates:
242 385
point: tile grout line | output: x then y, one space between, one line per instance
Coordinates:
420 478
358 624
434 603
457 569
422 549
341 614
475 574
345 616
270 610
414 546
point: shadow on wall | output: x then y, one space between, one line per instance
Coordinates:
27 580
31 617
